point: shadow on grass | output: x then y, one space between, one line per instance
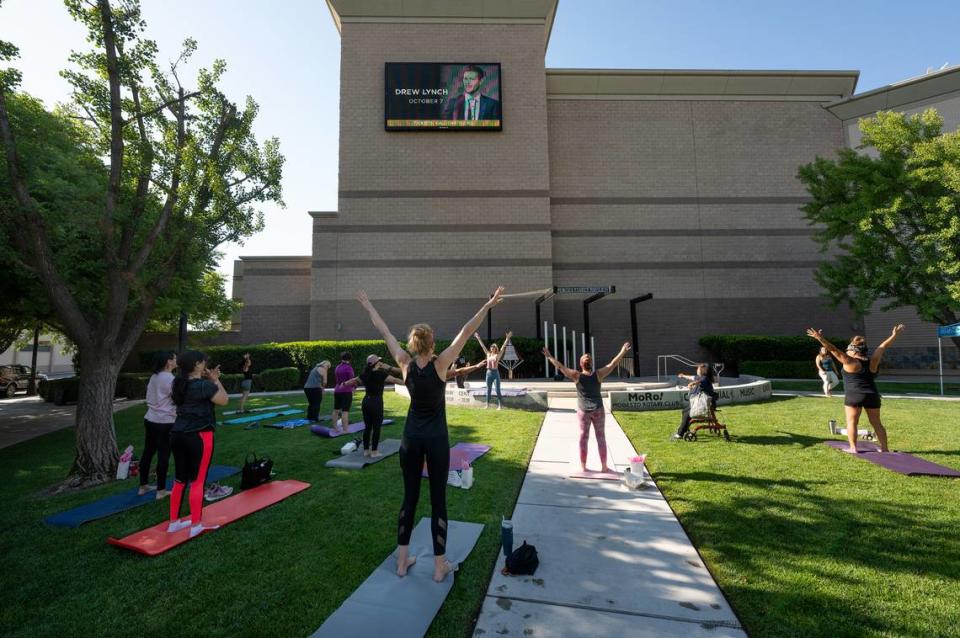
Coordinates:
784 438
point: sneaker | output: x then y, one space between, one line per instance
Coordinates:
196 530
216 491
176 526
675 437
453 479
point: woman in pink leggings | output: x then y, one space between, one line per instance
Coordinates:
195 391
589 401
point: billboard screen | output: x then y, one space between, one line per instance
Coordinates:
430 96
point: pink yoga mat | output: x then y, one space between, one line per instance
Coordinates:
899 462
461 452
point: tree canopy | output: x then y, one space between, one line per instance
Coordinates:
889 216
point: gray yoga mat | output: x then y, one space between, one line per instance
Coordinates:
387 605
356 460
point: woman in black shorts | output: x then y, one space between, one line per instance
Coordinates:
859 383
425 432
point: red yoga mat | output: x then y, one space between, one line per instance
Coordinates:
156 540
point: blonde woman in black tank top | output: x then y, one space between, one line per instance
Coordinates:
860 389
425 431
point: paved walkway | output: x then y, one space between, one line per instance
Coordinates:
23 418
612 562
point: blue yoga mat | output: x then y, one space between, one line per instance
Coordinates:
289 425
260 417
124 501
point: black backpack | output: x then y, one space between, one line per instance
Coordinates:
255 472
523 560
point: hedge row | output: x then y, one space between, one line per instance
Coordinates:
780 369
303 355
732 350
134 385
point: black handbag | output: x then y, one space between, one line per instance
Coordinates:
256 471
523 560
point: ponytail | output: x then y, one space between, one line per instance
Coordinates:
186 362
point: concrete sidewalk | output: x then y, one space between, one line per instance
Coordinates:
23 418
612 561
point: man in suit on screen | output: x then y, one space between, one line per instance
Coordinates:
472 104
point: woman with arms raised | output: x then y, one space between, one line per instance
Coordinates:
859 383
589 401
493 355
425 433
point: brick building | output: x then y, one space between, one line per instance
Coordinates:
677 183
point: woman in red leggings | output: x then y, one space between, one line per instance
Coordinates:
196 391
589 401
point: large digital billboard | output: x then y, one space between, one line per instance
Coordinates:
430 96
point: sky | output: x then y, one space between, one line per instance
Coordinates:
286 55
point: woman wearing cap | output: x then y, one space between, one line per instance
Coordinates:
493 357
589 401
425 432
859 382
374 376
313 388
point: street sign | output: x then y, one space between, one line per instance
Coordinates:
582 290
952 330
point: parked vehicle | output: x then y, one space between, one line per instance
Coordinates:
14 378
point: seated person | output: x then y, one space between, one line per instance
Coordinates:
700 382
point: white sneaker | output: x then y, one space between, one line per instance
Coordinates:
196 530
453 479
176 526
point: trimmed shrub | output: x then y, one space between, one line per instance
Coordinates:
303 355
61 391
734 349
780 369
280 379
132 386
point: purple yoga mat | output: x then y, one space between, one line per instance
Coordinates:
353 428
461 452
899 462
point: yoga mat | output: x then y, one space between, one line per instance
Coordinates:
288 425
261 417
124 501
156 540
387 605
899 462
599 476
506 392
356 460
353 428
260 409
461 452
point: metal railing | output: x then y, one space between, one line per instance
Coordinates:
687 362
625 368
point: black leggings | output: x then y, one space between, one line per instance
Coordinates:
156 440
372 408
436 451
314 398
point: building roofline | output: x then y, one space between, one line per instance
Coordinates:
911 90
447 12
818 85
273 257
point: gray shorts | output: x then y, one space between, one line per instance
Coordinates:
246 385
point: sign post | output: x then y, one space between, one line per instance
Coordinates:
953 330
511 360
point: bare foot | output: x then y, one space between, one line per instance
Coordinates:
144 489
375 454
402 567
441 569
852 451
162 494
607 470
583 468
366 452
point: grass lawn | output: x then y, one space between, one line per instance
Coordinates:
278 572
885 387
807 541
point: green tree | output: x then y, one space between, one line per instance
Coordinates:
162 176
890 217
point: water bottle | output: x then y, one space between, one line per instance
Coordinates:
833 426
506 536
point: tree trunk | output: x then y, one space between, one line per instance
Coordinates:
96 440
32 388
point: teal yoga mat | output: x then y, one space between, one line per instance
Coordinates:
260 417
